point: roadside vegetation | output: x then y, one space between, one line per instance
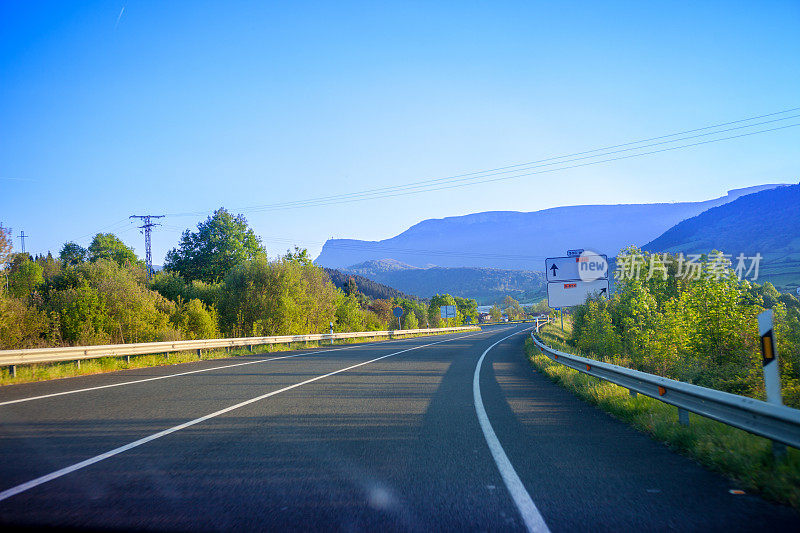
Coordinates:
217 282
745 458
701 331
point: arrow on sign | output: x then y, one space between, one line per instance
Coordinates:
554 268
603 291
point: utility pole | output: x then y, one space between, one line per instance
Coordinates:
147 226
22 238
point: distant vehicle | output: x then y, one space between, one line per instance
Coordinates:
504 318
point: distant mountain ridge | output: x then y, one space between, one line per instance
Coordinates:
766 222
486 285
514 240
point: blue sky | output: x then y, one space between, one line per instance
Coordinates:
183 107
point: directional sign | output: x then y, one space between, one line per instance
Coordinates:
587 267
572 293
448 311
398 312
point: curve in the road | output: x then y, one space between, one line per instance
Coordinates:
527 508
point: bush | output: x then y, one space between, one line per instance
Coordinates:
21 326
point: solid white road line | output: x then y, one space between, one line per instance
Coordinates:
530 514
43 396
116 451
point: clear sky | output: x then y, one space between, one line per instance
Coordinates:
109 109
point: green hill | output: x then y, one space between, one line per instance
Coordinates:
766 222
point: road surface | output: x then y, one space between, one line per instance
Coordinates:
378 436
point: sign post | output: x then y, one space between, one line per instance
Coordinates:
398 312
769 361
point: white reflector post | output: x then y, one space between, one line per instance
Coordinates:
769 353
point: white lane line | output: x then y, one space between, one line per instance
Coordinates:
87 389
96 459
530 514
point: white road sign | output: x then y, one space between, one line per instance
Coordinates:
571 293
588 266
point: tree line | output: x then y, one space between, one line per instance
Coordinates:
218 282
701 330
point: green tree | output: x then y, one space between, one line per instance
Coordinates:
21 325
108 246
299 256
195 320
496 313
278 298
24 276
6 244
513 309
221 243
73 254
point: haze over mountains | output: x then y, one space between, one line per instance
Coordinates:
514 240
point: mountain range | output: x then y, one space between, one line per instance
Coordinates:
486 285
514 240
489 255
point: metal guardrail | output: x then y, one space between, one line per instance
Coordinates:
776 422
78 353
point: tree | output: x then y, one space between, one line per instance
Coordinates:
195 320
513 309
24 276
496 313
219 245
6 244
108 246
299 256
73 254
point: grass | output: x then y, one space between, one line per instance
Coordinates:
67 369
743 457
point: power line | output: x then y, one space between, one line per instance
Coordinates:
477 177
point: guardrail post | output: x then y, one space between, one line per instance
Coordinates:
199 353
250 348
683 416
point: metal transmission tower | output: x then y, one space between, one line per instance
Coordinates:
147 226
22 238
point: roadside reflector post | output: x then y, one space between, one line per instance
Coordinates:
78 364
199 353
13 371
772 376
128 359
633 393
683 416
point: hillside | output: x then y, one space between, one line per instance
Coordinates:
365 286
513 240
486 285
766 222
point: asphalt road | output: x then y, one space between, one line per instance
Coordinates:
379 436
